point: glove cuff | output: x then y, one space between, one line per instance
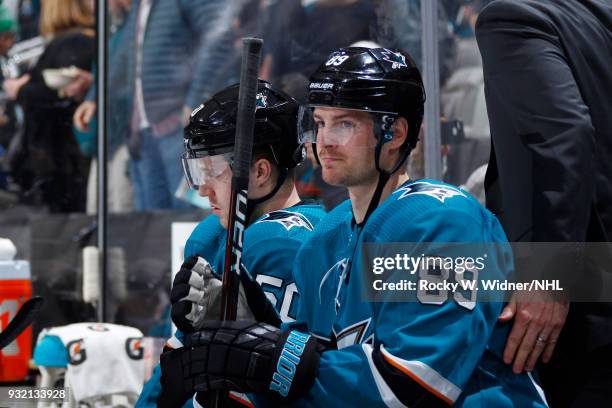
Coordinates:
297 365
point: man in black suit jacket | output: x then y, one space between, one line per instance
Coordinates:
548 84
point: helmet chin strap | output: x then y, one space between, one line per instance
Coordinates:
254 202
314 152
383 177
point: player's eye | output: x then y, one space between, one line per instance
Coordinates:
319 124
347 125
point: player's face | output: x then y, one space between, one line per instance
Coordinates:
345 146
218 191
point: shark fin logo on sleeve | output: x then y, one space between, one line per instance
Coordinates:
288 219
438 191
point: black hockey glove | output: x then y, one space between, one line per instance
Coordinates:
243 356
175 391
196 297
195 294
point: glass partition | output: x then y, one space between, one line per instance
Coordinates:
163 59
465 124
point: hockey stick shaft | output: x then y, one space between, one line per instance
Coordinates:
243 148
24 317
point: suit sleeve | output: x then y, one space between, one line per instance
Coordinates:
529 84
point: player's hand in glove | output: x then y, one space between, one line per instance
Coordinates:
195 295
174 393
244 356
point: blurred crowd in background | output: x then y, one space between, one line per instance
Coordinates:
165 57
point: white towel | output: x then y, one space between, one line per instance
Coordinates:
103 359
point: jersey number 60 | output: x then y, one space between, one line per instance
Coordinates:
287 297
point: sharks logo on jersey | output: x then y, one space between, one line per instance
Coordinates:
288 219
438 191
396 59
354 334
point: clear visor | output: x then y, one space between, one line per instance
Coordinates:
340 126
202 170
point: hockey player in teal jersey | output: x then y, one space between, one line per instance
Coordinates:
280 221
434 348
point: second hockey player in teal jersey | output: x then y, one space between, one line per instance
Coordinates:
279 220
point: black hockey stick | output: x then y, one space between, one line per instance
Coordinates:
24 317
243 149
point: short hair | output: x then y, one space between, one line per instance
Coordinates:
59 16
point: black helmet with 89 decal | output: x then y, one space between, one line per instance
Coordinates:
383 82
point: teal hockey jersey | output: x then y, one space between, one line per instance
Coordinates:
435 348
270 246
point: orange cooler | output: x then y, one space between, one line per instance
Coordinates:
15 289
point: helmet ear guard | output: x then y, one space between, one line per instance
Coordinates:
299 155
386 128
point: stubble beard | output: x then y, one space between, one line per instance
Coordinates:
349 177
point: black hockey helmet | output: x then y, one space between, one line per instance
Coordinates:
377 80
212 126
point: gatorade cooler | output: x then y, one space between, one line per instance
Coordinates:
15 289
